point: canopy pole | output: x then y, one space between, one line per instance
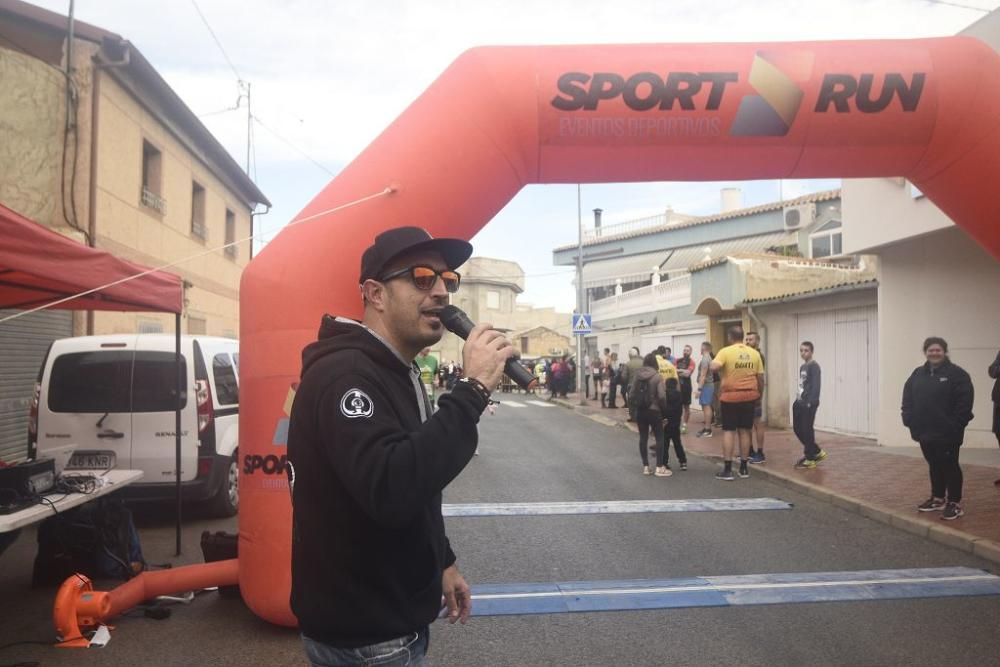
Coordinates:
177 426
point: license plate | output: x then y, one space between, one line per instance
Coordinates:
91 461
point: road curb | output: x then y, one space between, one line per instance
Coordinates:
946 535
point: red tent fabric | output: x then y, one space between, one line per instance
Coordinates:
39 266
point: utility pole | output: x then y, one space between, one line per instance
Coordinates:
580 370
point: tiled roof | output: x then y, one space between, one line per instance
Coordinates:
819 291
815 197
787 259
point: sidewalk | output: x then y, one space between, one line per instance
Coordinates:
881 483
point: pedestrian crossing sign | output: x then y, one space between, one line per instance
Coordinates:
581 323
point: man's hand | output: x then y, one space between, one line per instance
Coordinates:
457 595
484 355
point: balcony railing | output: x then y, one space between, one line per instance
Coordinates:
154 201
669 294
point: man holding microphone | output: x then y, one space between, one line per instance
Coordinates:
371 564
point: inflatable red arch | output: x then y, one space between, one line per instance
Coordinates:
500 118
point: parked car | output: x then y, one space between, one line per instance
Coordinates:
114 398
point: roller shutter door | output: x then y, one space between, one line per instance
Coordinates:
23 343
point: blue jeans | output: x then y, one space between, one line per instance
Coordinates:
408 651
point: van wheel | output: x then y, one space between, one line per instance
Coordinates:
226 502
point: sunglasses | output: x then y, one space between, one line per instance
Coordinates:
424 277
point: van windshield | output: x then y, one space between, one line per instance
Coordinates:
115 381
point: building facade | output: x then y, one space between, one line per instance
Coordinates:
488 293
933 280
95 145
637 276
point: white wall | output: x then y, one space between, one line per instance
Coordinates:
944 285
879 211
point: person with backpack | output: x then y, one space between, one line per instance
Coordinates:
673 421
648 399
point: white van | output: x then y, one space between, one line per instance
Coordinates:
113 397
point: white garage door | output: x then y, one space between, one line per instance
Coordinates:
652 341
846 343
694 340
675 340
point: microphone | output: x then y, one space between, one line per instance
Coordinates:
456 321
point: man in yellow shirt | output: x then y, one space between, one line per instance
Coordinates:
667 369
742 373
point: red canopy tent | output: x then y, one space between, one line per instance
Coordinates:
39 267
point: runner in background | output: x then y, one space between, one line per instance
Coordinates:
742 381
706 390
686 369
428 366
665 364
757 455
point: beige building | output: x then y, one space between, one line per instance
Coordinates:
97 146
542 342
830 302
489 294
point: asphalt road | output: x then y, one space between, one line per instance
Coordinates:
551 454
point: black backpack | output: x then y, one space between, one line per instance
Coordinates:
642 397
98 539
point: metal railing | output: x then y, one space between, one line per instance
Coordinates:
627 226
198 228
150 199
668 294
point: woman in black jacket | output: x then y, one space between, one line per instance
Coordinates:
649 402
937 406
994 371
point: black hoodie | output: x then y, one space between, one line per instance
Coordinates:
368 540
937 403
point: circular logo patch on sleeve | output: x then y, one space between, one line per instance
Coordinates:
356 403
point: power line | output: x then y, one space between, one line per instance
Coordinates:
217 42
959 5
218 111
294 147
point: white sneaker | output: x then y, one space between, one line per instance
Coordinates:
646 470
663 471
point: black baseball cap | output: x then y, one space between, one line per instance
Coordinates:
394 242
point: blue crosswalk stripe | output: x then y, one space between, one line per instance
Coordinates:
615 507
727 591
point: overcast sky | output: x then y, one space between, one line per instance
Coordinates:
328 76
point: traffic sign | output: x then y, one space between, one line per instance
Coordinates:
582 323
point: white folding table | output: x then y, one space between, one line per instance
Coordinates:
116 479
